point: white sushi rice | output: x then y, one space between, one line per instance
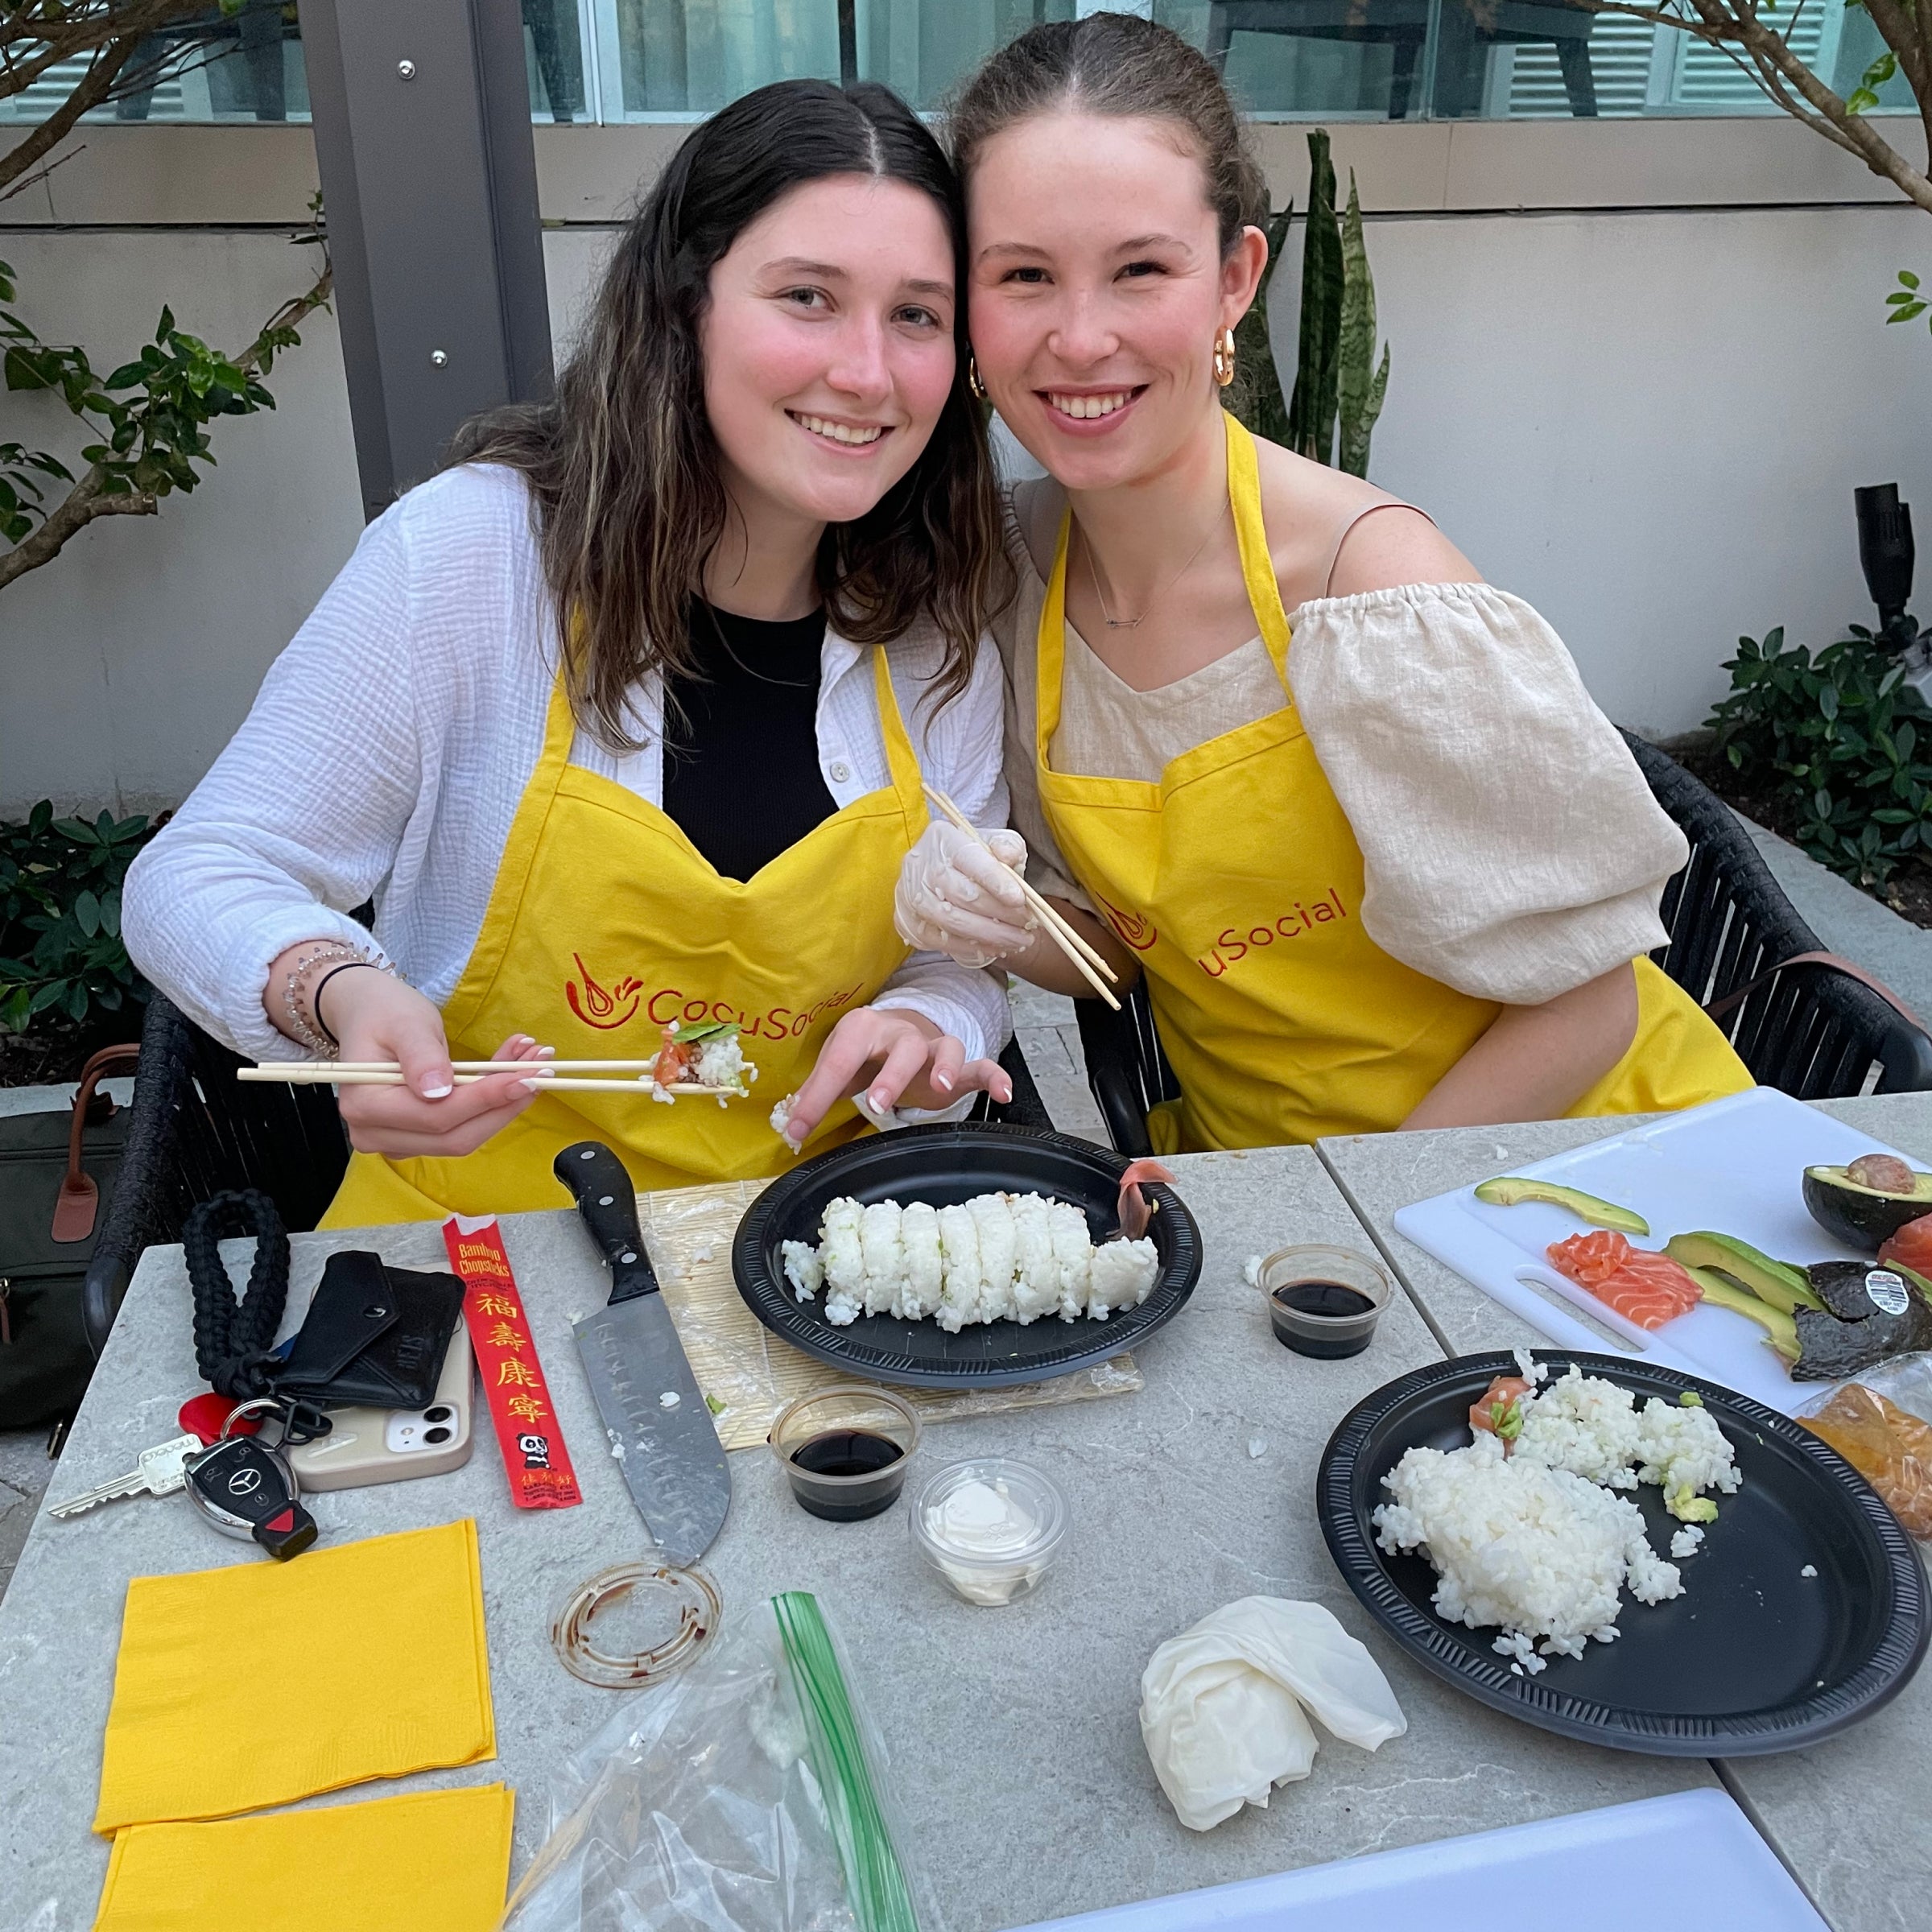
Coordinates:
997 1258
720 1061
1527 1537
1535 1551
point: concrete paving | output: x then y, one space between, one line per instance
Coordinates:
1850 921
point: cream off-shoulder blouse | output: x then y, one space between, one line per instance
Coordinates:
1511 847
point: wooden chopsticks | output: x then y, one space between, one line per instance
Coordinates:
368 1073
1084 956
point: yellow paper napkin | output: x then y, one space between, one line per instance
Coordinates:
268 1681
435 1861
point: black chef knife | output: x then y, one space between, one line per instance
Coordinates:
660 1429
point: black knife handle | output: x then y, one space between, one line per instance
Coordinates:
609 1203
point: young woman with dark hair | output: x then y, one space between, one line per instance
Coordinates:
1404 874
622 719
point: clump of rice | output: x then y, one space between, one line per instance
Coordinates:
1683 1452
1585 1425
720 1061
1535 1551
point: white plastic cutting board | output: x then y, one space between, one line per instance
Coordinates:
1734 1166
1691 1859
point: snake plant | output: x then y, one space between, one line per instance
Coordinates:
1337 381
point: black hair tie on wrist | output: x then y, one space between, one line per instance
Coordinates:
316 998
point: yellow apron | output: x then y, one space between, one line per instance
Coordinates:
604 922
1238 882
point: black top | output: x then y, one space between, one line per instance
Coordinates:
741 775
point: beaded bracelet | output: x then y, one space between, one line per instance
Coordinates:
325 1048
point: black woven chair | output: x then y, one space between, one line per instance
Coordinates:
196 1129
1807 1029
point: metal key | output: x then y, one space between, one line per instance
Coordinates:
158 1471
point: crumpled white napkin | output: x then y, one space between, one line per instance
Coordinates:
1221 1703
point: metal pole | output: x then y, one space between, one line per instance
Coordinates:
429 184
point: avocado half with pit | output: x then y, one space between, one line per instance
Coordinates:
1868 1200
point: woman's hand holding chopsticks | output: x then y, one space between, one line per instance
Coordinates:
896 1057
377 1017
962 896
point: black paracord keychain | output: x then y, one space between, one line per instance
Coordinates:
234 1342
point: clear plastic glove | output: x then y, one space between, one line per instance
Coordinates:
956 897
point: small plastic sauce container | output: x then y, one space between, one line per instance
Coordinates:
845 1450
991 1527
1323 1300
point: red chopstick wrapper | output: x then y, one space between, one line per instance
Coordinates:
528 1433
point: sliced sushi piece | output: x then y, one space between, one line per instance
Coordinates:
925 1277
1644 1288
802 1268
959 1255
1499 1409
843 1255
1122 1276
885 1256
993 1216
1036 1274
1073 1251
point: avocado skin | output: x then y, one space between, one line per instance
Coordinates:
1510 1190
1777 1282
1829 1349
1861 1216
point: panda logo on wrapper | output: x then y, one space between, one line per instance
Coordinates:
536 1450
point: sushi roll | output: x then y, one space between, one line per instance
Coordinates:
924 1277
1036 1279
993 1216
959 1252
885 1256
843 1253
1073 1250
802 1269
1123 1275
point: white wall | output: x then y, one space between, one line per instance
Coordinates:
1648 421
1649 425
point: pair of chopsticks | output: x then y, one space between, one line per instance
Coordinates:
1057 930
388 1073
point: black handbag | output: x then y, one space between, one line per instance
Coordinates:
57 1171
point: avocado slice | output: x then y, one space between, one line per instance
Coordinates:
1862 1216
1778 1283
1511 1190
1780 1330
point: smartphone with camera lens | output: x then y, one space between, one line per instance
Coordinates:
367 1446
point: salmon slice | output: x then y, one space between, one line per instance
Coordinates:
1644 1288
1493 1412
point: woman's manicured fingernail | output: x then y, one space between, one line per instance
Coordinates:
440 1091
881 1099
530 1086
547 1053
943 1081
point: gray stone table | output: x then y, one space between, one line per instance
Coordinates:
1014 1729
1867 1863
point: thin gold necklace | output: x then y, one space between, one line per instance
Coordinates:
1093 577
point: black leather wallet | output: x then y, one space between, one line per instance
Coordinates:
373 1335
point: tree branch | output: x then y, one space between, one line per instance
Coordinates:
58 125
1721 23
71 515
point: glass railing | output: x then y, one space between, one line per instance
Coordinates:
617 60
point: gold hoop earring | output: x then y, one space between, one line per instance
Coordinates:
972 378
1223 357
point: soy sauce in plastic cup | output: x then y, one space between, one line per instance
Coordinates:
845 1450
1323 1300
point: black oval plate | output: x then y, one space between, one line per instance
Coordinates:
945 1165
1752 1659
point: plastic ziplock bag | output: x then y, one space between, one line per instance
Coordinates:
749 1794
1881 1424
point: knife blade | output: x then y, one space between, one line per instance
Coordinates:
660 1429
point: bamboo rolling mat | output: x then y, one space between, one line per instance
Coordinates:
747 1373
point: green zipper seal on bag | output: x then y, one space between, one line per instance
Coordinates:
875 1882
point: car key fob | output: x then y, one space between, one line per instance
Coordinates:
246 1489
